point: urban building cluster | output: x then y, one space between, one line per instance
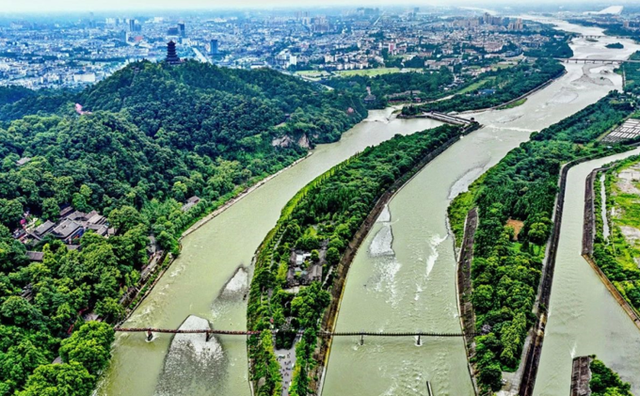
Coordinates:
76 52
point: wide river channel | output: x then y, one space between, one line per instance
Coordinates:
403 277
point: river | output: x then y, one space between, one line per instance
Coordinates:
411 286
198 282
413 289
584 318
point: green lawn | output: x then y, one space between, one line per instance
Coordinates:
371 72
628 214
517 103
475 85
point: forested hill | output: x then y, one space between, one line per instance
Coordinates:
205 128
146 140
204 102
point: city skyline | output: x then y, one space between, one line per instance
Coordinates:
60 6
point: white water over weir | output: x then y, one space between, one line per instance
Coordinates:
404 282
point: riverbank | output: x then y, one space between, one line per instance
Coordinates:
583 318
530 364
167 259
513 101
418 149
239 197
464 289
589 234
502 106
210 257
331 313
412 287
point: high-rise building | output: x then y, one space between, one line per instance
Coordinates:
172 55
213 47
182 29
132 25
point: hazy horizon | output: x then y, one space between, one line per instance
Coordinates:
39 6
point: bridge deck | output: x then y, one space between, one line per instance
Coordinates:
598 60
322 334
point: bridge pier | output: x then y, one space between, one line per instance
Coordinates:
361 339
419 342
208 336
149 335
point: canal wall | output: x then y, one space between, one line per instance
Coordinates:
337 291
588 240
464 289
580 376
534 350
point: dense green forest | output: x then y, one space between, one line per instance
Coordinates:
498 87
616 255
151 136
610 29
507 265
321 219
632 75
554 48
404 87
605 382
615 46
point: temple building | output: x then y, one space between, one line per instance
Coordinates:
172 56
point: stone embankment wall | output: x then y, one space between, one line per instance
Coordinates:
532 359
580 376
588 240
464 287
337 290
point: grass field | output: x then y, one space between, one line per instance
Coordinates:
627 215
517 103
371 72
351 73
475 85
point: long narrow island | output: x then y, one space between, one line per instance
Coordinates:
301 266
505 291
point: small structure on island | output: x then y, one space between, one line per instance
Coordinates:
172 56
370 98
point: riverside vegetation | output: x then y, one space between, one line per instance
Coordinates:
422 84
632 75
605 382
156 135
507 265
496 88
321 219
616 255
144 140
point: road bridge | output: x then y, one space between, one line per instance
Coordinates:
597 60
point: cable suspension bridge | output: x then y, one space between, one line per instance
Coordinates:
211 332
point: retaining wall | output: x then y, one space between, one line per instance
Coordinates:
337 291
588 239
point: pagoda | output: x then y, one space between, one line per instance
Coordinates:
172 56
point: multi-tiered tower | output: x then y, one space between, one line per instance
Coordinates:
172 56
